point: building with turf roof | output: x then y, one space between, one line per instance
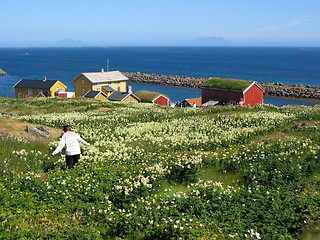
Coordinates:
153 97
225 91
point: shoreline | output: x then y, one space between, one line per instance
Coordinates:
294 91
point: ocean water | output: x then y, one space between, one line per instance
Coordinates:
290 65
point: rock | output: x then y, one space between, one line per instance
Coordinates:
38 131
8 114
301 125
3 73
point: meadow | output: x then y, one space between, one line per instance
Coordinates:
156 172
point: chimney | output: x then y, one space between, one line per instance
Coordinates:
130 89
44 78
102 70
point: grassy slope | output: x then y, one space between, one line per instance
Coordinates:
16 128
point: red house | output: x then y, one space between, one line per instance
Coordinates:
153 97
225 91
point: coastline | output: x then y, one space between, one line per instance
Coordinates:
295 91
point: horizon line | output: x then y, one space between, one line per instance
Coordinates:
198 46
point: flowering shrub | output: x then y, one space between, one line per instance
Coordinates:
143 176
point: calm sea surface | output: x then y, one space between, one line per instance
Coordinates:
263 64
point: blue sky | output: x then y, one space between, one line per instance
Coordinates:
159 22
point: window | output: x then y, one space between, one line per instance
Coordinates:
98 87
82 81
58 88
29 92
119 86
20 95
232 102
82 91
40 90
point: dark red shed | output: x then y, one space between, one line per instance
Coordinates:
153 97
232 92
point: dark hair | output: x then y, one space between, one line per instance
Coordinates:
66 128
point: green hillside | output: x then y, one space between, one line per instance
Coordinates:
160 173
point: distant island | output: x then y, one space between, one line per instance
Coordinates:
205 42
2 73
68 42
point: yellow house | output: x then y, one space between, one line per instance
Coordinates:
32 88
106 82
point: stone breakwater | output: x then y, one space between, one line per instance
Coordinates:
271 89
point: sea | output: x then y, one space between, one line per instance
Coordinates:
286 65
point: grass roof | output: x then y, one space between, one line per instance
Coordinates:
147 95
227 83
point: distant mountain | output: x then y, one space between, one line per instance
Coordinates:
205 41
68 42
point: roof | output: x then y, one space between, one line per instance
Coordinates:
40 84
70 94
228 84
117 96
108 88
211 103
120 96
92 94
101 77
191 101
148 96
254 83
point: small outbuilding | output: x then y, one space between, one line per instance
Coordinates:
63 94
227 91
124 97
192 102
153 97
95 95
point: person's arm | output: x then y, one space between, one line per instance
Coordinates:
83 141
60 146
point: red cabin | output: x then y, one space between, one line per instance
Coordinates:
161 100
153 97
232 92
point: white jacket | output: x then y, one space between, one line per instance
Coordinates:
70 140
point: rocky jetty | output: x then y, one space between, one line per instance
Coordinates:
2 73
179 81
292 90
271 89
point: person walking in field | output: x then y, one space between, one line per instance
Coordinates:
71 141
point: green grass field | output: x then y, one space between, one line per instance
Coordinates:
154 172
